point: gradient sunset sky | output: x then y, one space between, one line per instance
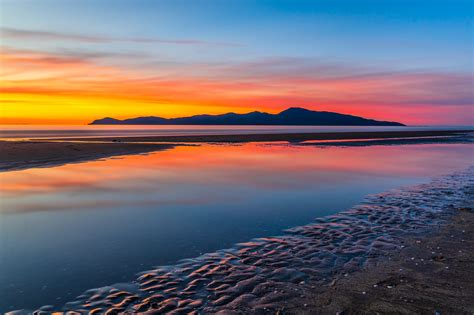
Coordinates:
69 62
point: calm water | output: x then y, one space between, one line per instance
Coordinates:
67 229
15 132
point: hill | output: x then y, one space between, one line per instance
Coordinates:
293 116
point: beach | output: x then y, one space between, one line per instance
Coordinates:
236 157
406 250
432 274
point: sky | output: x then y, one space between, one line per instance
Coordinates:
70 62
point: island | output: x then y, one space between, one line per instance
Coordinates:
293 116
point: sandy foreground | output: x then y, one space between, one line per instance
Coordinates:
15 155
430 275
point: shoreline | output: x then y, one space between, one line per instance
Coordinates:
18 155
269 137
294 272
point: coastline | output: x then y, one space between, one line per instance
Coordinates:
290 137
311 277
16 155
294 272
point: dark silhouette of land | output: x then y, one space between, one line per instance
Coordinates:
293 116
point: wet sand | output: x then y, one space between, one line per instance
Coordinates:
291 137
16 155
431 275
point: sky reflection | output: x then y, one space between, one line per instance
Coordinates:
70 228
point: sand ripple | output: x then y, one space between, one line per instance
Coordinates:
261 274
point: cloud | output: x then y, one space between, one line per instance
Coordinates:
14 33
29 34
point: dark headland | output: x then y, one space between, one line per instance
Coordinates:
293 116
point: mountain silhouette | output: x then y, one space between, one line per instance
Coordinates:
294 116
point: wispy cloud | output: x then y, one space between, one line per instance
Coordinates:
14 33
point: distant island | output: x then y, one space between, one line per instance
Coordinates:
294 116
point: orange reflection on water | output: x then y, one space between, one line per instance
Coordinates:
252 164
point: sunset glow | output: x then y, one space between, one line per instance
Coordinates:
236 156
55 73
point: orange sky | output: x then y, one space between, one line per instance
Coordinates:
71 62
42 88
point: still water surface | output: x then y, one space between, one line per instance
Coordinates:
70 228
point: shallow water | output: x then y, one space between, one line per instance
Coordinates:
67 229
263 275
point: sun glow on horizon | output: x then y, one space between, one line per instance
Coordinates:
73 73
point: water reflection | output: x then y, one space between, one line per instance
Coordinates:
70 228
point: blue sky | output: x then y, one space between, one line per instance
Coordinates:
407 33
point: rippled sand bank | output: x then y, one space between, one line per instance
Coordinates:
430 275
268 274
